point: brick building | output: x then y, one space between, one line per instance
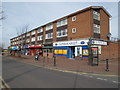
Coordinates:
70 35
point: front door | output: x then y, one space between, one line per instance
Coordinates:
72 52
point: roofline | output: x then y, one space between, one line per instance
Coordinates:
101 7
72 14
77 12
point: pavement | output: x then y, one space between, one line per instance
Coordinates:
19 73
72 65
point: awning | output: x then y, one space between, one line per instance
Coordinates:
47 47
35 46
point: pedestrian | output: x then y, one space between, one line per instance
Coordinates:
36 57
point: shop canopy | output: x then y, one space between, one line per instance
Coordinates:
47 47
35 46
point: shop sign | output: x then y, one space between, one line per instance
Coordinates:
99 42
71 43
35 46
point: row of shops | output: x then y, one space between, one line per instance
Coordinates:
70 49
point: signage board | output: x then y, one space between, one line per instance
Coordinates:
71 43
78 43
96 42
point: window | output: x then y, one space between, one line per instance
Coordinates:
96 15
49 35
62 33
96 28
28 40
23 36
74 18
73 30
49 26
33 39
28 34
62 22
40 30
33 32
40 37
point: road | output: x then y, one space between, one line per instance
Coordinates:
22 75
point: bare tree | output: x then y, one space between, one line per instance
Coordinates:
22 32
2 46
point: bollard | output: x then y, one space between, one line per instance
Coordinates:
54 60
107 66
43 59
47 59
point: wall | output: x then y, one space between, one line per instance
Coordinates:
82 25
104 24
110 51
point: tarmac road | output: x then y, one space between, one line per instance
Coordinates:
22 75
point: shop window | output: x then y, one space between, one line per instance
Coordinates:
50 50
45 50
64 51
60 51
85 52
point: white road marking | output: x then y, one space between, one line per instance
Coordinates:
115 82
90 76
105 79
100 78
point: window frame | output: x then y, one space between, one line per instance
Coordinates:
97 27
74 31
74 18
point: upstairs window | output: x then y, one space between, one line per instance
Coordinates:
62 22
28 34
49 26
96 15
40 30
73 30
96 28
40 37
28 40
62 33
33 39
74 18
33 32
49 35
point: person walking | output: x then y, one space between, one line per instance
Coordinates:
36 57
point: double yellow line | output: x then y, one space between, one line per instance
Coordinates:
3 84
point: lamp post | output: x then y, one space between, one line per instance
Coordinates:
107 60
90 52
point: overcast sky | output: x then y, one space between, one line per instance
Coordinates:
36 14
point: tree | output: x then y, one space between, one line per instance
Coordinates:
2 45
22 32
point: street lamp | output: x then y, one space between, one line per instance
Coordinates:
109 35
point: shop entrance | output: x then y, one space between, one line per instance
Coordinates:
72 52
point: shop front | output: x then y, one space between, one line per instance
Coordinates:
70 49
13 50
35 49
77 48
48 50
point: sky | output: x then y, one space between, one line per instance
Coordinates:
36 14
